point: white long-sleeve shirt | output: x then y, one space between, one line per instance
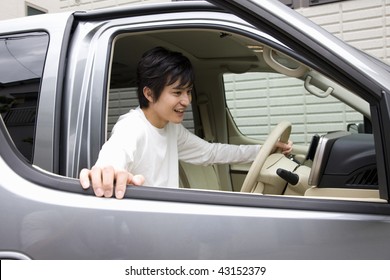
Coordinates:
140 148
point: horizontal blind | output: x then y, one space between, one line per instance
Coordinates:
259 101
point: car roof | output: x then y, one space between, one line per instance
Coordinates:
145 9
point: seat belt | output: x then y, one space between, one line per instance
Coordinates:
204 116
183 180
203 103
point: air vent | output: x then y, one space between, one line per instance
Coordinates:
20 116
364 178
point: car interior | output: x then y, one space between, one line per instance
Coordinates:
240 85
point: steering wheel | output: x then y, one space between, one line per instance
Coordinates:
280 133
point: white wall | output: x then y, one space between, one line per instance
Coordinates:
17 8
339 18
65 5
372 34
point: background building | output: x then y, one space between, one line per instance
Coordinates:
339 17
20 8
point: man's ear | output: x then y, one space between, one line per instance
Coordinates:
148 94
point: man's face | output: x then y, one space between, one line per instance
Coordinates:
170 107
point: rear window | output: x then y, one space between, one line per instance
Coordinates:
22 59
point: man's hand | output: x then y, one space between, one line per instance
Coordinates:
106 179
286 148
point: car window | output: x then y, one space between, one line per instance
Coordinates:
259 101
22 59
259 94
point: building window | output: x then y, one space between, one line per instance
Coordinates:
320 2
31 11
294 4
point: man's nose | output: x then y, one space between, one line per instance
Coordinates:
186 99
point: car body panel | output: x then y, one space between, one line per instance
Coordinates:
52 224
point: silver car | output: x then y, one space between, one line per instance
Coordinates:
263 73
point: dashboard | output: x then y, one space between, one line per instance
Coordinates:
343 160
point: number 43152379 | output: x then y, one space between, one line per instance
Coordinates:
242 270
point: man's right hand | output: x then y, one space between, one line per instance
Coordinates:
106 180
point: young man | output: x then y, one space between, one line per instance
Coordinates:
150 140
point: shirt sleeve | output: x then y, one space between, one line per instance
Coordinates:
119 150
195 150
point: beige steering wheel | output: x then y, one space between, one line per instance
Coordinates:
280 133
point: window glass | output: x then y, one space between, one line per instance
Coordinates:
259 101
22 59
31 11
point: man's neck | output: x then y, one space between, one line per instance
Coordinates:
153 118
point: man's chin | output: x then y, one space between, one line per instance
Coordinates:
177 121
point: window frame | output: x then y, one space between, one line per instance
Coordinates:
32 10
111 32
178 195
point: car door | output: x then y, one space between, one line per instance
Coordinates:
342 63
48 216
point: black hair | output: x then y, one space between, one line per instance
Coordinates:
160 67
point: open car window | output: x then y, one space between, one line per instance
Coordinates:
260 87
